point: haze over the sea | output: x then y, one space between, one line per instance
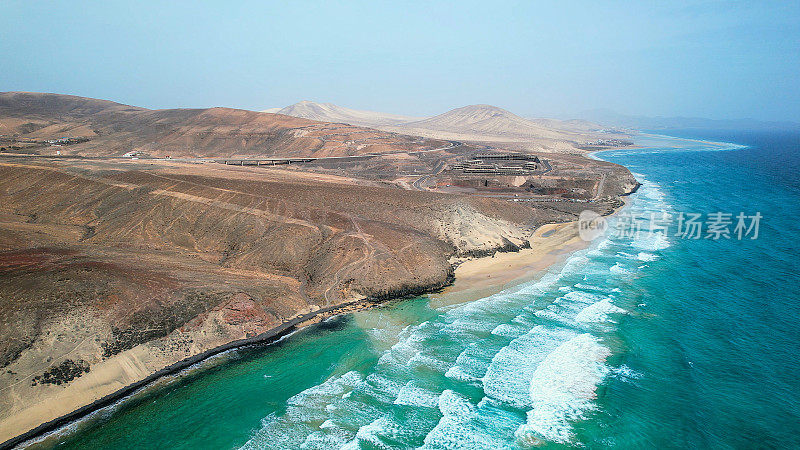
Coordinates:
358 224
719 60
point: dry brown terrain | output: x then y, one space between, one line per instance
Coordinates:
114 268
328 112
496 126
483 124
113 129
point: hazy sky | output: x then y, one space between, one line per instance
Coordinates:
717 59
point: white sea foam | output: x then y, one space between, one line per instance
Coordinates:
424 360
508 330
332 437
625 373
549 313
472 363
644 256
605 244
458 373
581 297
512 368
589 287
474 325
598 312
328 424
370 435
541 286
278 433
523 321
562 390
382 388
413 395
574 264
618 269
456 428
401 352
651 241
333 387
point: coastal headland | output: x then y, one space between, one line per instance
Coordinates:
131 247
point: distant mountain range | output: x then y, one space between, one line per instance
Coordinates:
112 129
478 123
328 112
487 120
613 119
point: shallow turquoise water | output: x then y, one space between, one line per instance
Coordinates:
646 341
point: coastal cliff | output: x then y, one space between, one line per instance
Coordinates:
112 274
116 271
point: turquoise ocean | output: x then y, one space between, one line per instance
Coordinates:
642 340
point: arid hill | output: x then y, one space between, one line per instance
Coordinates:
112 269
113 129
328 112
483 124
572 125
486 120
490 124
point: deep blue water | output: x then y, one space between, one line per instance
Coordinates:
645 341
718 352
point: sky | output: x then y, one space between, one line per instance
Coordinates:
713 59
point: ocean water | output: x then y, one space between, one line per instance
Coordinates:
643 340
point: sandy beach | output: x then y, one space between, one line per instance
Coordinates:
481 277
474 278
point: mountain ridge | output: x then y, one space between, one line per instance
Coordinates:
113 129
329 112
480 123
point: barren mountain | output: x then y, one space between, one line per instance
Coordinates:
113 129
328 112
476 123
112 269
483 119
576 125
493 125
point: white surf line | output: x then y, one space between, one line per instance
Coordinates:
557 367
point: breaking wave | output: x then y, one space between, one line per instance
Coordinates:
563 389
520 367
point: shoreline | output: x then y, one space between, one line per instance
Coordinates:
477 278
265 338
473 278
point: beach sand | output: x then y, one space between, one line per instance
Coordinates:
475 278
481 277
